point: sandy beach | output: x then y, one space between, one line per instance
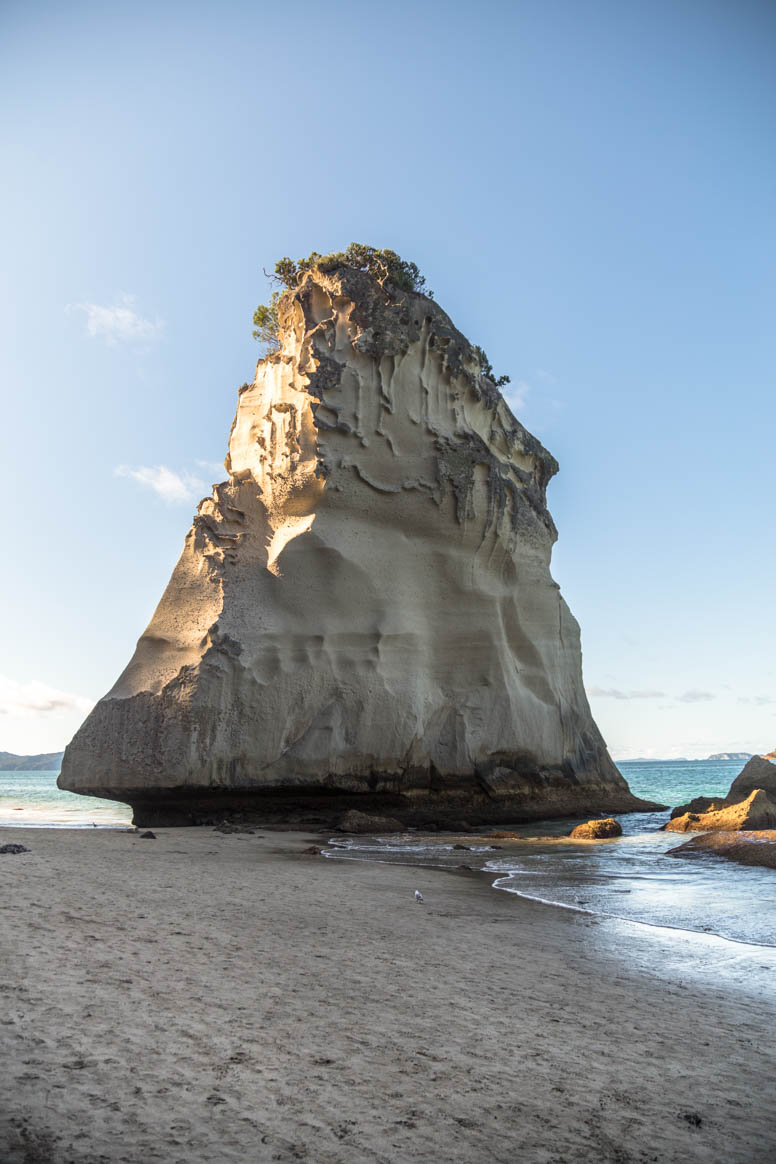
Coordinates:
209 997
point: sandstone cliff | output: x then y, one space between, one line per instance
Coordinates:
363 614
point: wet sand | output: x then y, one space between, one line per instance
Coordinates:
209 997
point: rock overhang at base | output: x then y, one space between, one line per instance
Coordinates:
316 807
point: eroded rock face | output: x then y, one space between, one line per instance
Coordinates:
363 614
758 772
756 811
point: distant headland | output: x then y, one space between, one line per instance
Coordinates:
43 762
684 760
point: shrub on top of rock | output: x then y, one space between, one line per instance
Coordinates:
384 265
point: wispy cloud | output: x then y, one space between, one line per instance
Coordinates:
215 469
517 394
118 323
171 486
757 700
696 697
38 699
616 693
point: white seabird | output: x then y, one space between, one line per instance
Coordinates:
418 897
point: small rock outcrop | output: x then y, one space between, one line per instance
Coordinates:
757 811
597 830
364 822
363 615
755 848
756 773
699 804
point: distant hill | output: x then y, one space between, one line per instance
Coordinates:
654 760
683 759
770 756
43 762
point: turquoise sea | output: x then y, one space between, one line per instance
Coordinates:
32 800
630 878
675 782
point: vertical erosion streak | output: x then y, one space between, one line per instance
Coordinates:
561 649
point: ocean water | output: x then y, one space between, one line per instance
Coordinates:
32 800
678 781
630 878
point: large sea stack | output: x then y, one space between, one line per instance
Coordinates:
363 615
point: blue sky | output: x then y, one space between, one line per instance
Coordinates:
589 189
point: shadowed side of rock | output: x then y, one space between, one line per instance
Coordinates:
758 772
363 616
460 809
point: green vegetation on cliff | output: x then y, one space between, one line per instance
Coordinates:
266 325
384 265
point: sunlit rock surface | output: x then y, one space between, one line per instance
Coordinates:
756 811
363 615
597 830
